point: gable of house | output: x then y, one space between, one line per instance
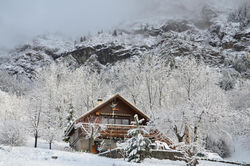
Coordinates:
116 110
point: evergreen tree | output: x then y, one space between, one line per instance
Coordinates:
137 147
69 120
115 33
70 117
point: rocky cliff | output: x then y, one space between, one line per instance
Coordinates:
220 39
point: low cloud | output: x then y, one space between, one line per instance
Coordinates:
20 21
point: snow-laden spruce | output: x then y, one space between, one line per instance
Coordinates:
137 147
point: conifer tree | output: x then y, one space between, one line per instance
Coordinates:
137 147
70 117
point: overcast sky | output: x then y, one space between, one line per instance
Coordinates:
20 20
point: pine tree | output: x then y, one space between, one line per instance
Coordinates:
115 33
70 117
69 120
137 147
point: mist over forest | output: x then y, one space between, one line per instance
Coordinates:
21 21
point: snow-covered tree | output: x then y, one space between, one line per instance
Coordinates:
87 87
239 101
51 129
34 112
57 88
91 130
143 82
71 116
11 120
137 147
129 79
47 104
12 84
196 107
11 133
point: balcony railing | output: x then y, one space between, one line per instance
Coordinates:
113 130
121 131
116 130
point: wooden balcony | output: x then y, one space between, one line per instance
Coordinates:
121 131
113 130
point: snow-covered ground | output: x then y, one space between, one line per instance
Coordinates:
28 156
42 156
45 145
23 156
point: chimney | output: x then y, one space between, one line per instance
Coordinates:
99 101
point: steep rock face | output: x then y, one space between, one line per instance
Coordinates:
105 54
29 58
217 43
176 26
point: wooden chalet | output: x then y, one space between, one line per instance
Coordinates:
116 115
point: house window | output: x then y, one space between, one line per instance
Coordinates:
118 121
111 121
105 120
125 121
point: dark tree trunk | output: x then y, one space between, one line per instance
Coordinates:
179 137
36 137
89 145
196 136
50 145
91 140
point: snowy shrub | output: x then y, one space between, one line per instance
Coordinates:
241 15
220 146
240 63
8 83
11 133
137 147
227 82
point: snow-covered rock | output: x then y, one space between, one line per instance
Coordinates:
217 40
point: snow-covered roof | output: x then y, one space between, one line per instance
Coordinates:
107 101
71 127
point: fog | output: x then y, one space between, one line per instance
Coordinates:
21 20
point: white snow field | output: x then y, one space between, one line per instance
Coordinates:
28 156
42 156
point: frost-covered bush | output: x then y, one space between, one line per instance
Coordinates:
137 147
11 133
8 83
239 63
242 14
227 81
220 146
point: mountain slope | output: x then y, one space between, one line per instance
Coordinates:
216 37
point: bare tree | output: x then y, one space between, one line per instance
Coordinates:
91 130
34 117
